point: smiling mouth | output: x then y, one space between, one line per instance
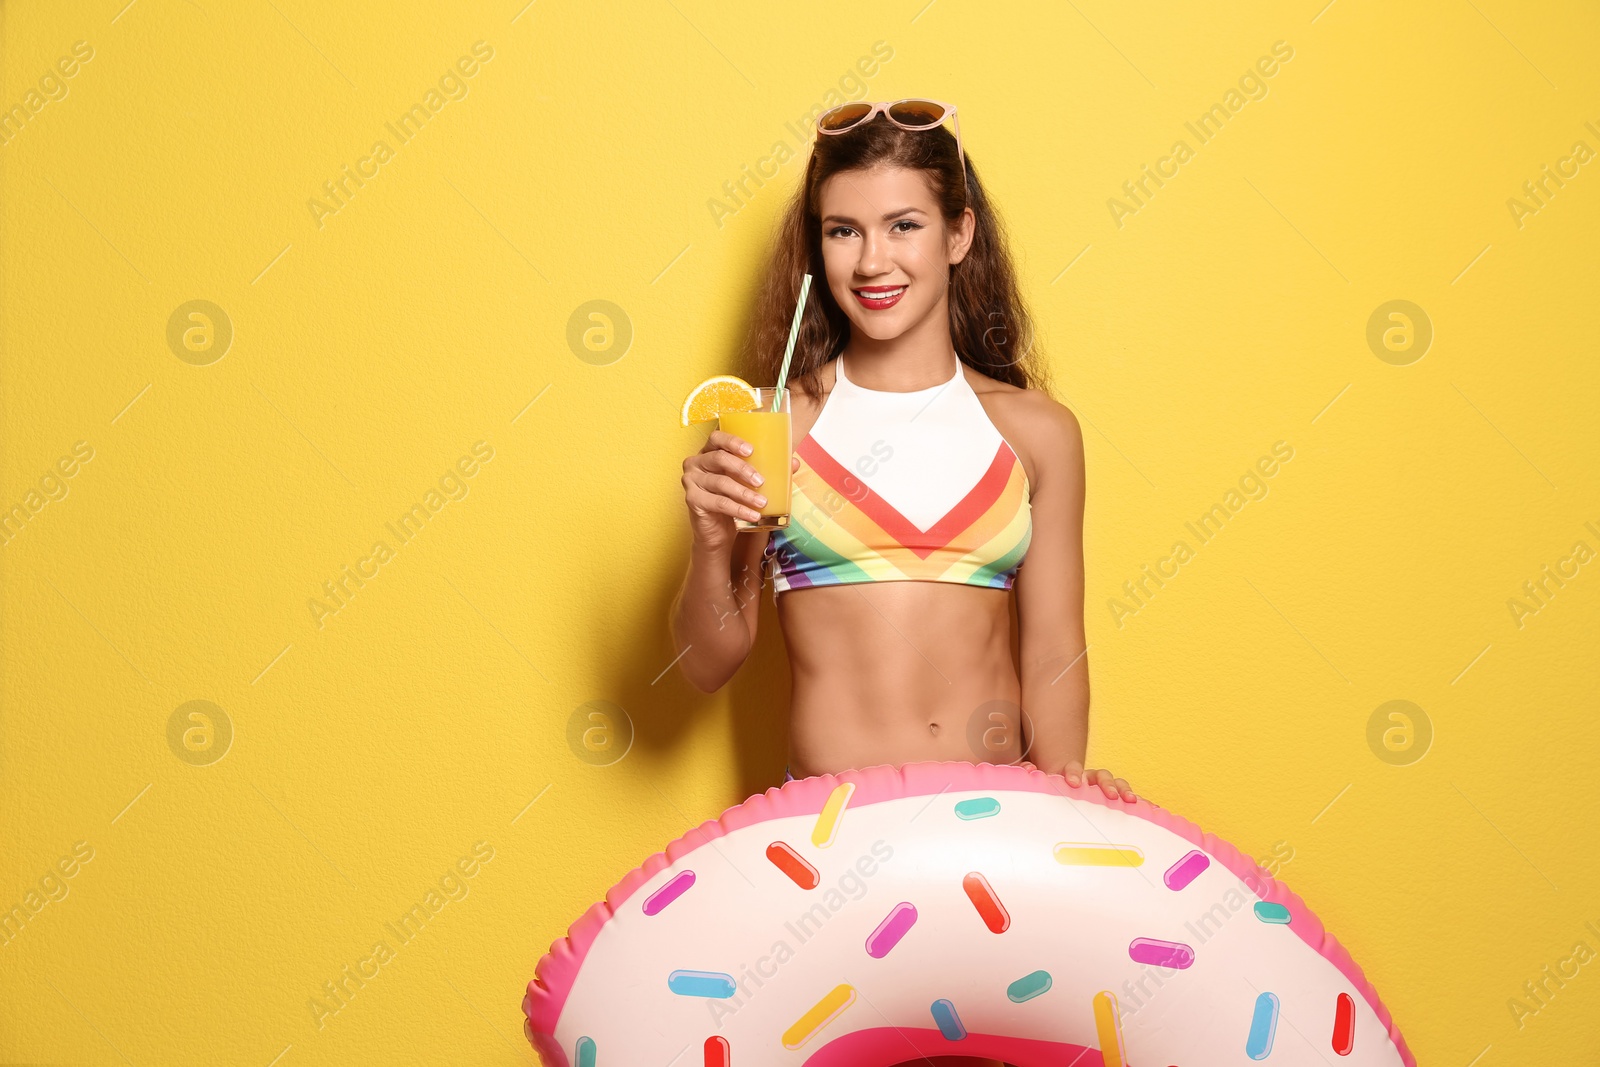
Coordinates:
879 297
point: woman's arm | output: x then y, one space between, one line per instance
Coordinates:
1049 588
713 617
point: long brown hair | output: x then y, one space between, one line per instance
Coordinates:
990 326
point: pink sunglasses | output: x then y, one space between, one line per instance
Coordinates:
910 114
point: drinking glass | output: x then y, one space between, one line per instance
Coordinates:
771 450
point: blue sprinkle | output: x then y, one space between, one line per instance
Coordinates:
1269 912
1263 1025
944 1014
585 1050
701 984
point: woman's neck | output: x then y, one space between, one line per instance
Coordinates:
917 359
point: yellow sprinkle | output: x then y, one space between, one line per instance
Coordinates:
1088 854
821 1014
1109 1029
828 819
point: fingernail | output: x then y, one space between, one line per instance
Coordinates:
1072 779
756 477
744 449
761 501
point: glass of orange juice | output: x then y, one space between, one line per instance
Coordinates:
767 429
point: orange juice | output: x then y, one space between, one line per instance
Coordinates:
771 449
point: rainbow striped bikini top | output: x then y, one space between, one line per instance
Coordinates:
891 487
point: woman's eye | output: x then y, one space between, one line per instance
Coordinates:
843 231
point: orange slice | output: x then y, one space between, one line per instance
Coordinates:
724 392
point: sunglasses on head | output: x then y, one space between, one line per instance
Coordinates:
909 114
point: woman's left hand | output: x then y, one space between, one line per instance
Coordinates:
1101 777
1076 775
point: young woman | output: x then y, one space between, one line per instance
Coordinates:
934 478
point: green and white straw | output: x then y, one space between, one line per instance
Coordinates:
794 332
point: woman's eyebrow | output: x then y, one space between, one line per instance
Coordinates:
886 218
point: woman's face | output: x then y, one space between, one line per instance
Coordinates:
887 249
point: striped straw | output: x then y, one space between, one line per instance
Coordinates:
794 332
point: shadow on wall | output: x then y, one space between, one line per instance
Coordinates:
662 706
663 709
759 699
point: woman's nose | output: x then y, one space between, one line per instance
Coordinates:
874 256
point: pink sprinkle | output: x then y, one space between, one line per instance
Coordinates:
1186 870
1160 953
889 932
668 893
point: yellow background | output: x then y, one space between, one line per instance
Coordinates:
431 310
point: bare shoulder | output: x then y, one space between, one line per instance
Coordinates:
805 407
1043 431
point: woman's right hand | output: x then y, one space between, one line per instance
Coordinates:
719 485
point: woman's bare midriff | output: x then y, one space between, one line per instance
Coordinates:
898 672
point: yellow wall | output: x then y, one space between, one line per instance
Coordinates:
375 346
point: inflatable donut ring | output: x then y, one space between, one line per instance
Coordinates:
882 915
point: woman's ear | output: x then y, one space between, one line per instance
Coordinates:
961 235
